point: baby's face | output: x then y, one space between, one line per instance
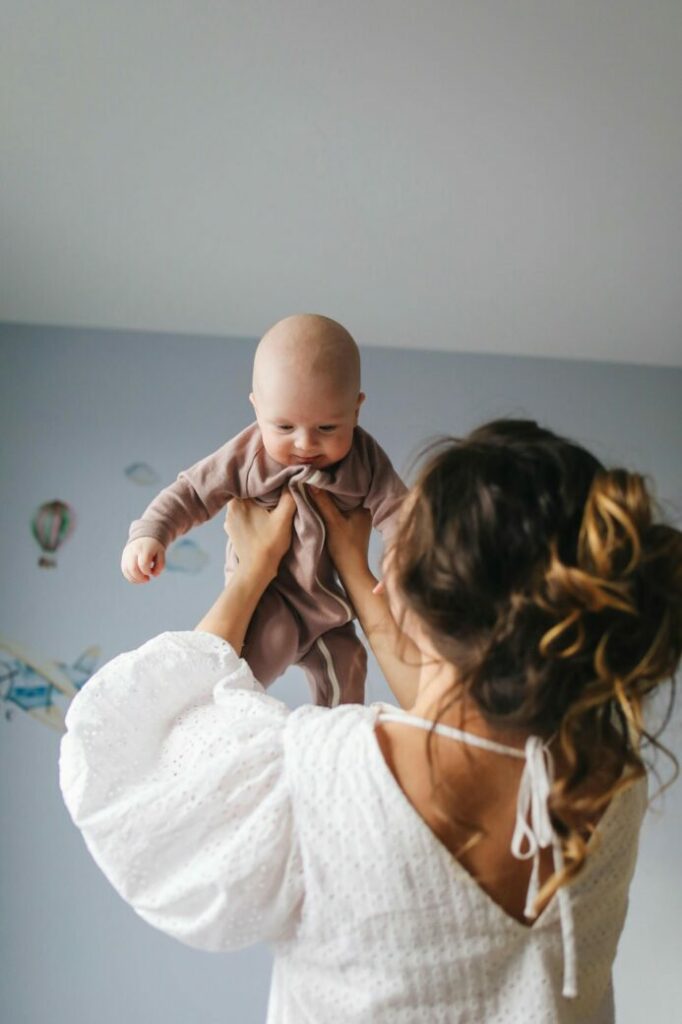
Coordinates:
306 425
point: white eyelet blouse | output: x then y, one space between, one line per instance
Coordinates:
225 819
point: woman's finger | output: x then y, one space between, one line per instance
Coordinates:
286 506
325 505
228 514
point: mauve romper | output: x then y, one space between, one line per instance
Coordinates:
304 617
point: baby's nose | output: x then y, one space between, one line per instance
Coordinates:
305 441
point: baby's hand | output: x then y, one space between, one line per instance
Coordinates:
142 559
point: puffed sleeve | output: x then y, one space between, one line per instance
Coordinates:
173 769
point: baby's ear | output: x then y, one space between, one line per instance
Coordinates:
252 400
361 398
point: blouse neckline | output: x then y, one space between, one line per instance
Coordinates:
533 831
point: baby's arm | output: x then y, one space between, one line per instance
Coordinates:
196 496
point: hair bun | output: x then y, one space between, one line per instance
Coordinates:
635 567
622 603
616 517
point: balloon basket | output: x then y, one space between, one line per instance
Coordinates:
47 563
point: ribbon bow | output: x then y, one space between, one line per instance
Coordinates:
533 832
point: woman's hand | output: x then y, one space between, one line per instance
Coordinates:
348 533
260 537
348 541
260 540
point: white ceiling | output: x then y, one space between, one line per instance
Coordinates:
481 176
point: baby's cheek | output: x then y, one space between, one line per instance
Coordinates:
339 448
277 450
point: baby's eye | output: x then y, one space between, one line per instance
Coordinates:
283 427
328 429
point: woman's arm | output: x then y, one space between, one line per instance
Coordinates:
260 540
347 540
230 615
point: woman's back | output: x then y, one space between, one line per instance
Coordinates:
395 928
476 822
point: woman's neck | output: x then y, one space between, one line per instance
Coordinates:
441 690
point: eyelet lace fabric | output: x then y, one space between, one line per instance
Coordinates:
172 767
224 819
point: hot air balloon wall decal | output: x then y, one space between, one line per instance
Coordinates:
52 524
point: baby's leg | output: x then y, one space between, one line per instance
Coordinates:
272 639
336 667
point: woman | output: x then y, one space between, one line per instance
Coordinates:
468 861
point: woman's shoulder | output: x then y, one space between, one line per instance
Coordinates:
330 727
332 762
613 848
329 737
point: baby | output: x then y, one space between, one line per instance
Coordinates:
306 396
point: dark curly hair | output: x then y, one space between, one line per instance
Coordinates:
545 580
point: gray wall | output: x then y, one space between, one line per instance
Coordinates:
76 407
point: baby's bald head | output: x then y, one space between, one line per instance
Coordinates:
306 348
306 390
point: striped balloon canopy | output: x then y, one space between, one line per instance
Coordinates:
51 525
